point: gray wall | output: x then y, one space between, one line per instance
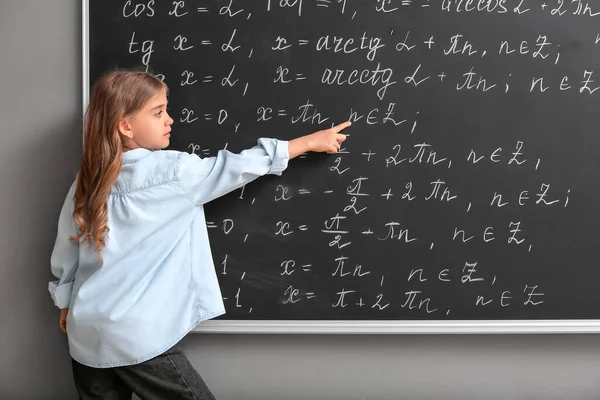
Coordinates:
40 114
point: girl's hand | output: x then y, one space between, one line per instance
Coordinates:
328 140
63 319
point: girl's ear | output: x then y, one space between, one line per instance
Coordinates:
124 128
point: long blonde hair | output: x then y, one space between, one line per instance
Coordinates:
116 95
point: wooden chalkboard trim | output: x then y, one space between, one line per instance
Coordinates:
85 52
400 327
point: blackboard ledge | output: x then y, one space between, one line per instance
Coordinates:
400 327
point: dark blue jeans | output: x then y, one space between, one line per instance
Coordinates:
167 376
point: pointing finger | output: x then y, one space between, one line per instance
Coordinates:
342 126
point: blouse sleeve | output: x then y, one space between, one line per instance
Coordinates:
205 179
65 255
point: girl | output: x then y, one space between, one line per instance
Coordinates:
132 257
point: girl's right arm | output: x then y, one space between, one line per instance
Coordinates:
328 140
205 179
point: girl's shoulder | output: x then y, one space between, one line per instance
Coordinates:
167 156
168 153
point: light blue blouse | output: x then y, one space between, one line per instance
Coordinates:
157 280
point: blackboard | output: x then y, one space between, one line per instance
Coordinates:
466 196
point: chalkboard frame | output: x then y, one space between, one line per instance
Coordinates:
564 326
